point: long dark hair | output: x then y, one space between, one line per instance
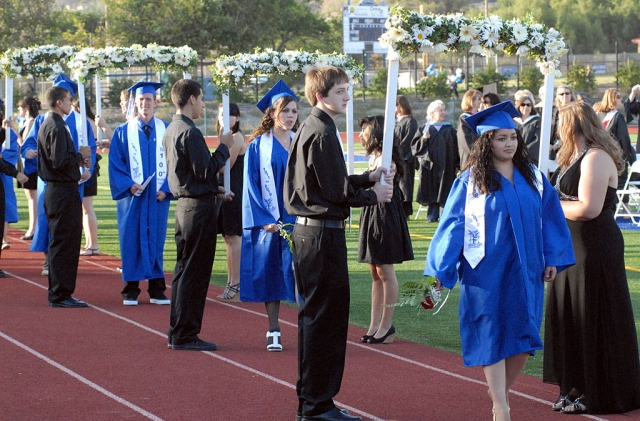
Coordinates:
375 142
267 122
32 104
480 161
234 111
76 104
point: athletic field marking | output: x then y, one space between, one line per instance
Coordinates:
282 382
163 335
410 361
82 379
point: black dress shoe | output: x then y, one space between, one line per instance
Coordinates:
69 303
2 274
300 418
386 339
197 345
334 415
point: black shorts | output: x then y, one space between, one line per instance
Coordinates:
31 184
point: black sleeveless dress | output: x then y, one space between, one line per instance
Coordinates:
590 334
230 215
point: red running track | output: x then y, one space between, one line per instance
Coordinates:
111 362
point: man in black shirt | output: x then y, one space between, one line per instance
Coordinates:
320 192
192 174
59 165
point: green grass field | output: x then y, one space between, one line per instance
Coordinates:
440 331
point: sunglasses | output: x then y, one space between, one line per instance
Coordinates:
486 102
618 96
564 93
525 105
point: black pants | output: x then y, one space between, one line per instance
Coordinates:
323 315
196 247
155 289
63 208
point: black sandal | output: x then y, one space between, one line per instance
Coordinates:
231 293
576 407
563 401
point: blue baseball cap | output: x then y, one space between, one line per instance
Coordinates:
279 90
64 82
143 87
499 116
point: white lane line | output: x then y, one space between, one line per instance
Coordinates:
82 379
410 361
164 335
369 348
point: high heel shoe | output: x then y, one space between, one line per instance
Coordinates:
231 293
365 338
386 339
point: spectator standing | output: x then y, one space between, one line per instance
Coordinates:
437 149
404 132
591 346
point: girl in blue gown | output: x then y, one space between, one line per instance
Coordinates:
481 242
266 273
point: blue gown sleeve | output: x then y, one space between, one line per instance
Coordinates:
445 251
11 154
556 238
119 176
254 213
30 143
92 144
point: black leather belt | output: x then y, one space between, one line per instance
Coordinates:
326 223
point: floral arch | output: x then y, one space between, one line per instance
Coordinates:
83 63
410 31
229 71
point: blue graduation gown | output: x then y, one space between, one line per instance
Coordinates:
142 220
30 143
501 300
40 240
11 203
266 269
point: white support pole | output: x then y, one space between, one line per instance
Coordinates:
8 109
186 75
98 108
350 146
82 130
350 153
545 129
390 114
226 129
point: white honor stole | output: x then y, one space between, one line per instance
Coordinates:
78 121
607 119
267 182
474 223
135 157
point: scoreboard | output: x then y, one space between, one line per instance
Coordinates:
362 26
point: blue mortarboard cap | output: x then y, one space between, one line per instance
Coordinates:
279 90
499 116
64 82
143 87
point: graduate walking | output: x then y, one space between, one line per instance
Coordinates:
266 274
481 242
138 179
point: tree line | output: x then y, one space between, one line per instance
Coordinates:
214 27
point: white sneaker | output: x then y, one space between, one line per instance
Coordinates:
160 301
130 302
273 342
